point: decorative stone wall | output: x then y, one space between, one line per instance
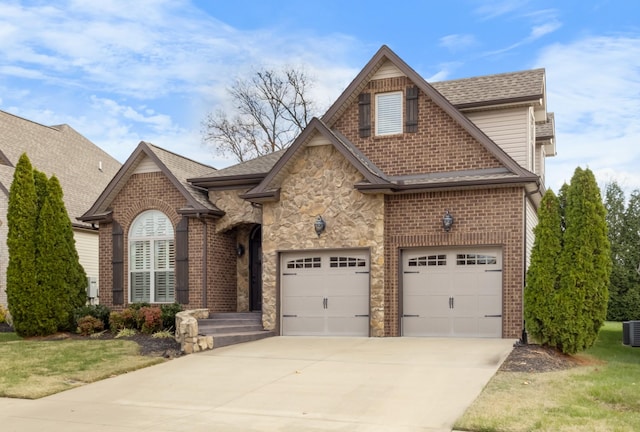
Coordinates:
238 211
243 269
320 182
187 331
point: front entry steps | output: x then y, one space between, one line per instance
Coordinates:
233 328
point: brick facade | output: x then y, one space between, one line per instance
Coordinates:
439 145
483 217
147 191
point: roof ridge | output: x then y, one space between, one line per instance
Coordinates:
31 121
489 75
178 155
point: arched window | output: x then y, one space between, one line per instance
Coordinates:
151 259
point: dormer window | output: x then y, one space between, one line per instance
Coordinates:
389 113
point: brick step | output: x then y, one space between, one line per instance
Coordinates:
222 340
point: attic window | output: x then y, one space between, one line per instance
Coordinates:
389 113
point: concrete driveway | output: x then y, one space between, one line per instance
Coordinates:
280 384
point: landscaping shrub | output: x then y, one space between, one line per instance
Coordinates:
3 314
116 321
169 312
97 311
137 306
130 317
88 325
149 319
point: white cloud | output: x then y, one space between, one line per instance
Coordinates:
495 8
458 42
593 85
120 72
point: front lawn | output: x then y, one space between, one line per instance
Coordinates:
603 395
32 369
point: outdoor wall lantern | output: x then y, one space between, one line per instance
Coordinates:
447 221
240 250
319 225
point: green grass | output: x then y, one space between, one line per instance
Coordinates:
603 395
8 337
32 369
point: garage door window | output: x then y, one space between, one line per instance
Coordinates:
302 263
428 260
342 261
475 259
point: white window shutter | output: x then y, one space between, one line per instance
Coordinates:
389 113
151 257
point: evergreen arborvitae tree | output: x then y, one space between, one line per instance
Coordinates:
41 182
629 294
28 309
61 278
584 265
615 206
76 277
542 276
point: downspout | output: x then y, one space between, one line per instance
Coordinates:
524 338
204 262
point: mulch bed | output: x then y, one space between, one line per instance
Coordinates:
536 358
149 346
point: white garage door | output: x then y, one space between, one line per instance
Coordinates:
455 292
325 293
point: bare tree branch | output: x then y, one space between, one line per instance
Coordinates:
271 109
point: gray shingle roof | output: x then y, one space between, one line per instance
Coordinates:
546 130
183 168
259 165
524 85
62 151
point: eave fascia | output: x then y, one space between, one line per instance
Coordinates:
227 182
200 212
456 184
106 217
534 100
262 197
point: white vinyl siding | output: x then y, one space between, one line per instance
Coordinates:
146 165
88 251
540 162
389 113
151 259
387 70
509 128
532 221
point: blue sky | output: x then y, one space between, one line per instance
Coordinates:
120 72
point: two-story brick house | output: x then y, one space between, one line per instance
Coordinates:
407 209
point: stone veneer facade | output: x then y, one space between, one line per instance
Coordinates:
320 182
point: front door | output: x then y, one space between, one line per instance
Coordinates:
255 269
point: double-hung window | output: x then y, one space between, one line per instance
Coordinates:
151 259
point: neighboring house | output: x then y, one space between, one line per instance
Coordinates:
383 167
83 169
